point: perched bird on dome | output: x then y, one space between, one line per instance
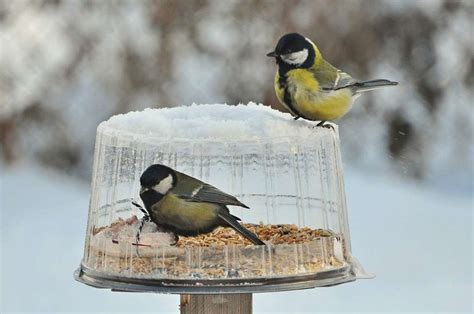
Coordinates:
310 87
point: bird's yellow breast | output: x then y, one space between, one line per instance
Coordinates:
309 100
185 215
280 92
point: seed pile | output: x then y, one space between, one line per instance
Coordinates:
220 254
274 234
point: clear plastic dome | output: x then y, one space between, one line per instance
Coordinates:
288 172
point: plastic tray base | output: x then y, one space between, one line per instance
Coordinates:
215 286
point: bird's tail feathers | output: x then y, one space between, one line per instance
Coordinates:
229 219
372 84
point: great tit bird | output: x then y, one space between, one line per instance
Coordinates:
186 206
309 86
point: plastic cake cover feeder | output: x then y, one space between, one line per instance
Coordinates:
288 172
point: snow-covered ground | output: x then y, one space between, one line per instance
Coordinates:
418 241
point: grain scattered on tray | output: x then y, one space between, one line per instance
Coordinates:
274 234
220 254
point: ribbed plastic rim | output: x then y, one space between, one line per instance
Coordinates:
215 286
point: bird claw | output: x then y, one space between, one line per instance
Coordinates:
323 124
176 239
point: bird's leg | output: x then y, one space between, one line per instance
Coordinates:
324 125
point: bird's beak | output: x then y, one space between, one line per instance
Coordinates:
272 54
143 190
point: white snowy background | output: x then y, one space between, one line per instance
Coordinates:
408 151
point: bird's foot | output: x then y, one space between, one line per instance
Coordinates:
323 124
296 118
175 239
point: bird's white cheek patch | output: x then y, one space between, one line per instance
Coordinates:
296 58
165 185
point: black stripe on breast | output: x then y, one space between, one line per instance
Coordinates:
282 70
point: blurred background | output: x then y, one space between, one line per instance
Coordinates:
65 66
68 65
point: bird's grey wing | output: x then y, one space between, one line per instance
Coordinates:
337 80
343 80
331 78
203 192
211 194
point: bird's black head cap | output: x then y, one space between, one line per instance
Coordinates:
291 43
155 173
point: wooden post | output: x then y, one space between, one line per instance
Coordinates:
216 303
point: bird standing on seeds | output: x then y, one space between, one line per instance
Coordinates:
309 86
186 206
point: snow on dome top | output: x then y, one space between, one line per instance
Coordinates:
210 122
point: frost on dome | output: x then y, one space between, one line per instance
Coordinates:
210 122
